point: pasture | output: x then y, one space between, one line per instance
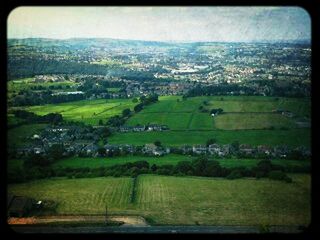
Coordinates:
77 162
240 113
167 200
291 137
87 111
172 159
234 121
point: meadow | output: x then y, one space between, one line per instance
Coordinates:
290 137
167 200
172 159
239 113
87 111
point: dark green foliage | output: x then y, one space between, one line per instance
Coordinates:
279 175
157 143
236 173
211 141
126 112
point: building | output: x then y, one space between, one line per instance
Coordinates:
199 149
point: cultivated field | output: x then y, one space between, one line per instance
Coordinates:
181 200
80 196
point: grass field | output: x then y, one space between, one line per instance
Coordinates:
77 162
181 200
19 136
173 159
241 113
291 137
175 121
87 111
80 196
233 121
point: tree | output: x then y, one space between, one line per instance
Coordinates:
135 100
157 143
56 151
138 107
183 167
211 141
100 122
101 151
126 112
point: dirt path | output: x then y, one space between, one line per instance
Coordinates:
128 220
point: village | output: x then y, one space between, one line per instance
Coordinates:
90 141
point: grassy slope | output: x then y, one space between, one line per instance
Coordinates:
181 200
88 111
18 136
184 115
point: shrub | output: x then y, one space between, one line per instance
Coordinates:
236 173
279 175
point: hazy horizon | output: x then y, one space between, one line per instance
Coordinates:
162 24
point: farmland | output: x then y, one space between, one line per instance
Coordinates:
87 111
181 200
292 137
253 118
172 159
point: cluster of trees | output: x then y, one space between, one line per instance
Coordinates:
265 87
30 98
53 118
144 101
198 167
221 89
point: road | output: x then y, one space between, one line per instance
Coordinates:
155 229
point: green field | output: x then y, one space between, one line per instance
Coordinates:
77 162
87 111
240 113
20 136
233 121
291 137
175 121
181 200
173 159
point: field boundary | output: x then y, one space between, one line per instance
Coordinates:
133 195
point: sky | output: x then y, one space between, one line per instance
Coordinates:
185 24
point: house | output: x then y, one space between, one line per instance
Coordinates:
280 151
139 128
125 129
91 149
38 150
152 149
264 149
127 148
186 149
18 206
246 149
154 127
226 149
199 149
215 149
